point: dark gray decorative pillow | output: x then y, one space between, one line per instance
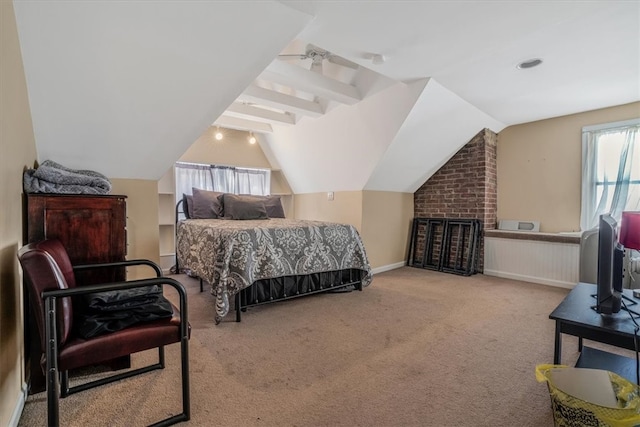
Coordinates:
206 204
273 204
187 205
243 207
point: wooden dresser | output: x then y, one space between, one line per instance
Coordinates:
92 229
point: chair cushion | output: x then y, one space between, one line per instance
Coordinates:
78 352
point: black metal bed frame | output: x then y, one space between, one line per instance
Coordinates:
275 289
175 230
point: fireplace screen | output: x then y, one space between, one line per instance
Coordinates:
445 244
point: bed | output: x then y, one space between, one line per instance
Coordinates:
259 261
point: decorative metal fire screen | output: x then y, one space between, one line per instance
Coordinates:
445 244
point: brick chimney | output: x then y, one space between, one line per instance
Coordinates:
465 187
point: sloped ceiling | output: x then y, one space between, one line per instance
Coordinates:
125 87
439 125
340 151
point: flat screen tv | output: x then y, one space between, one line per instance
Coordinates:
610 267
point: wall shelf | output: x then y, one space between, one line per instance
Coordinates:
166 221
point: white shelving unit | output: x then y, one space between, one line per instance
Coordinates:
166 220
280 187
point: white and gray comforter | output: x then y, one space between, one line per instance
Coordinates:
231 255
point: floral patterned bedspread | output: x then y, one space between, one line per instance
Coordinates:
231 255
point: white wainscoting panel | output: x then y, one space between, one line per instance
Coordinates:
548 263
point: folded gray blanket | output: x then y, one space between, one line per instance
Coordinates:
51 177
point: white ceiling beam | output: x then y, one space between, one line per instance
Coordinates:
281 101
242 124
238 109
309 81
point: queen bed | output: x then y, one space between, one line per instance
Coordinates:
266 259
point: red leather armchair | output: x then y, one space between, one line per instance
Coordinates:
51 284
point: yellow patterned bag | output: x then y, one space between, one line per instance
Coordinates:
569 411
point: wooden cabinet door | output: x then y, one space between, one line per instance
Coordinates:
92 229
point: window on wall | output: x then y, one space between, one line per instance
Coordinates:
610 171
225 179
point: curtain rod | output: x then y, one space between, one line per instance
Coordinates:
179 164
206 165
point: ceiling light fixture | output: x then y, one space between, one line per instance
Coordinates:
218 134
529 63
252 139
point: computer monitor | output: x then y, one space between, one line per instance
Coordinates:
610 267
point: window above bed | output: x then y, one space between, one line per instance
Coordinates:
223 179
210 182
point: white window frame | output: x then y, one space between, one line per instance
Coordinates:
625 186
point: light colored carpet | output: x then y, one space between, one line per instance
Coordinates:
415 348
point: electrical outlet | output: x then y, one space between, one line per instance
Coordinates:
330 196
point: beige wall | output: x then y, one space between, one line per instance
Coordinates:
142 221
539 167
233 150
17 150
346 207
386 226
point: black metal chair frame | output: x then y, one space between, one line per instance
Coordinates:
53 376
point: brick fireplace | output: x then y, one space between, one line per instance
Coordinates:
465 187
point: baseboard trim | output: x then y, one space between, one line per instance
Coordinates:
532 279
17 411
388 267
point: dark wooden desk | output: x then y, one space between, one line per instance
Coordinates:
574 316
